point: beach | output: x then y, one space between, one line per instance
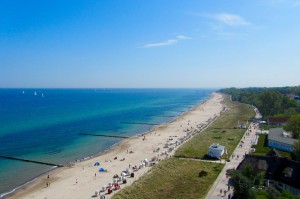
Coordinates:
83 179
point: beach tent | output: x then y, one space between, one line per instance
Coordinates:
96 164
101 170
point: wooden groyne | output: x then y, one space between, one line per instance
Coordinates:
104 135
179 111
32 161
160 115
190 106
176 111
143 123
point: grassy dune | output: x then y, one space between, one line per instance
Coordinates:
173 178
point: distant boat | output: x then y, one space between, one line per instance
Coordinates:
35 93
42 94
23 92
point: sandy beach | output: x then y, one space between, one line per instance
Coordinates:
83 179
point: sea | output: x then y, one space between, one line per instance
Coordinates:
47 124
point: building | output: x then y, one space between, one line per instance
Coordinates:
292 96
216 151
281 140
282 173
279 121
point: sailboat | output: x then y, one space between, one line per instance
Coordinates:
42 94
23 92
35 93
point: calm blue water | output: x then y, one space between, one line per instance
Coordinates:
45 128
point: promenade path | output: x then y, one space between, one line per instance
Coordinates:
221 188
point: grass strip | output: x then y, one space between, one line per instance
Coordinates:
222 131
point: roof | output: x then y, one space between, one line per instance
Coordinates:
274 153
277 120
276 134
292 96
216 146
278 169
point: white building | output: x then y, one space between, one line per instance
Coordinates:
216 150
279 139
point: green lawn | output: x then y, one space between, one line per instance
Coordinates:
178 178
267 127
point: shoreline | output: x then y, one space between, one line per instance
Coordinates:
84 170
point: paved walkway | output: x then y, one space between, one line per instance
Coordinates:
220 188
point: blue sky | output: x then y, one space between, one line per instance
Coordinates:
149 44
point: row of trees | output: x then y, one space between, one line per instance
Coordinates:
269 102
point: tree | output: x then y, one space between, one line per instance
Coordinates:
293 125
288 195
244 180
296 150
270 103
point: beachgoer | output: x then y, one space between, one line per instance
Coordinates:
221 191
76 181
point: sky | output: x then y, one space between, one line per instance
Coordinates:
149 43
